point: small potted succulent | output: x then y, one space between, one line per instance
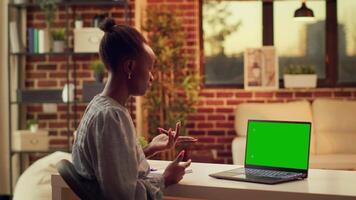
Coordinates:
300 76
58 37
98 68
32 124
78 21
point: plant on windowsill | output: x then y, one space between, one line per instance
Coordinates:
98 68
58 37
174 91
300 76
32 124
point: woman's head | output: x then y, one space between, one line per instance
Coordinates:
126 55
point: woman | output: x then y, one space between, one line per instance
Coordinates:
106 148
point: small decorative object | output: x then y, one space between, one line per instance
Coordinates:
68 92
98 68
87 40
99 18
58 37
300 76
32 124
261 69
20 1
26 140
78 21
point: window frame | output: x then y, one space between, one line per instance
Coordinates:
331 45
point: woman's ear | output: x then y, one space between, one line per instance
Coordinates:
129 67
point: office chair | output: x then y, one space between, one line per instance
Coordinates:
85 189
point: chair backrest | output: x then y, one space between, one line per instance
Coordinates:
85 189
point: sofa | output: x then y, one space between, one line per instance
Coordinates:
333 136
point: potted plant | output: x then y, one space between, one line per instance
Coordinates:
58 37
98 68
49 8
300 76
78 21
32 124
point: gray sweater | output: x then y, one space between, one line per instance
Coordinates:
106 149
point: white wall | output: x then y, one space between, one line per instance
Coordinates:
4 166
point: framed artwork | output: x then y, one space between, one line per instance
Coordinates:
261 69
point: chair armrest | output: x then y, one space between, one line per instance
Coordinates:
238 150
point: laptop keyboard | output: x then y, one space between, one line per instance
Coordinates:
272 173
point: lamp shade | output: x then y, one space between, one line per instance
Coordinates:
304 13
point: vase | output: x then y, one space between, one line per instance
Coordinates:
58 46
300 80
99 77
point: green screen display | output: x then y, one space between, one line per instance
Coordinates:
278 144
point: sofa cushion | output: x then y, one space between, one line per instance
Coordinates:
335 126
292 111
333 161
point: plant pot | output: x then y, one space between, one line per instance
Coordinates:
58 46
34 128
99 77
78 24
300 80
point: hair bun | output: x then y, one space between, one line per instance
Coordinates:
107 25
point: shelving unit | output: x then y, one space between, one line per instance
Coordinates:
15 11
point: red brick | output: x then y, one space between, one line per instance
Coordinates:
303 94
34 108
264 94
58 142
205 110
196 118
29 84
46 116
233 102
275 101
216 132
255 101
322 94
215 102
244 94
216 117
190 125
342 94
35 58
284 94
225 139
224 110
194 132
205 125
57 125
57 58
35 75
224 94
206 139
58 75
46 67
206 94
232 132
225 125
47 83
354 94
231 118
52 133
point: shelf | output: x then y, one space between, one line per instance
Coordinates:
75 3
37 151
53 54
54 102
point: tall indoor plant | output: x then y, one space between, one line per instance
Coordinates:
175 89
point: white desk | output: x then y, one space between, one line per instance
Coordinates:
321 184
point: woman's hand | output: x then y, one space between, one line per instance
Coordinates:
167 139
175 170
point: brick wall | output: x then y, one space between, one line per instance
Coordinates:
213 124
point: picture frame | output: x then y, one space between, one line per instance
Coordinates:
261 68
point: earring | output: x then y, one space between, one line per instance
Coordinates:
129 76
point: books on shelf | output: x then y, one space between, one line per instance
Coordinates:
38 40
15 40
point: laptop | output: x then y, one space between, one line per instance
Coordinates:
276 152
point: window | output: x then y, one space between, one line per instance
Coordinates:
296 42
328 43
347 40
229 27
